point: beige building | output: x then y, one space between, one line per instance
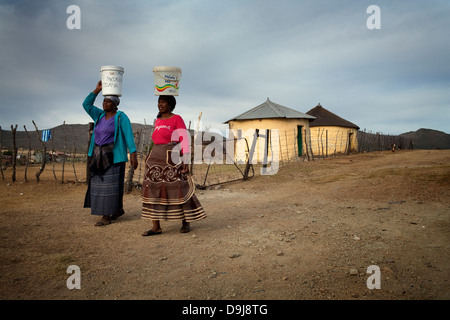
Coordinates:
331 134
283 133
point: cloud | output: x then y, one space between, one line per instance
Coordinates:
234 54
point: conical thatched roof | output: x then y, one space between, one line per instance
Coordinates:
270 109
326 118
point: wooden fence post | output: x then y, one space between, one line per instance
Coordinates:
321 143
287 146
266 149
191 170
44 153
250 154
281 150
129 180
29 152
73 159
53 156
140 151
88 162
64 155
295 147
14 159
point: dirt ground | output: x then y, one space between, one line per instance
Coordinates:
310 232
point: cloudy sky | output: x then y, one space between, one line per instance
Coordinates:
233 55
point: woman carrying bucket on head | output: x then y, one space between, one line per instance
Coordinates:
168 190
111 138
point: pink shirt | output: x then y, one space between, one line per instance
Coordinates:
171 130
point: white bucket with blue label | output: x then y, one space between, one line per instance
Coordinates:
166 80
111 77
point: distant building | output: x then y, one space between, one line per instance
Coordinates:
40 156
292 125
331 134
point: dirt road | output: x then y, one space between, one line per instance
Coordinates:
309 232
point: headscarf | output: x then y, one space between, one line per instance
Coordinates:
114 99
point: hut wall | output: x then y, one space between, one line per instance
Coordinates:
329 140
284 146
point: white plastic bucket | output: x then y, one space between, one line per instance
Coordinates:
111 77
167 80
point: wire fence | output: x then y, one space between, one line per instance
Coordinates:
214 161
370 142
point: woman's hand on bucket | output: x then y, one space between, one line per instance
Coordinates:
98 88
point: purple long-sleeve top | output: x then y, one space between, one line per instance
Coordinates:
104 131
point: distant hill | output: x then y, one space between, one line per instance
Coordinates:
428 139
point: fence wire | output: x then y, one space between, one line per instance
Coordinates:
221 160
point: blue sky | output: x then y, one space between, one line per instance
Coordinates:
233 55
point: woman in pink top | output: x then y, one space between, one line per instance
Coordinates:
168 190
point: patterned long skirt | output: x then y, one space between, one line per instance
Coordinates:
167 193
105 193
